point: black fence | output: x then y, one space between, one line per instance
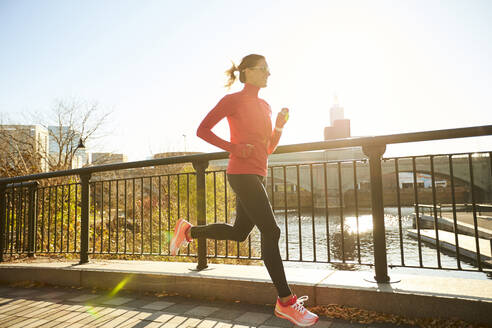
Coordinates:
420 211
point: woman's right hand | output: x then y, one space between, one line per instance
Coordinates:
282 118
242 150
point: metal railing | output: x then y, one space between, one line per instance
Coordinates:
321 204
445 213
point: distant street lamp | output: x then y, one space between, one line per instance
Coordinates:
184 137
80 145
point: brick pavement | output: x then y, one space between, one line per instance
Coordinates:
68 307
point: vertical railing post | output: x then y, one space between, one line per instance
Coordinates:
3 217
31 215
375 152
84 220
200 168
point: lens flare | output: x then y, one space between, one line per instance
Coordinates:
120 285
168 235
90 309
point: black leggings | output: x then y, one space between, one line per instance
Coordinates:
252 208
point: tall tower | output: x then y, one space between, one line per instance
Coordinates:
336 111
339 126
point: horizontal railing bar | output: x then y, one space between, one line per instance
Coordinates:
290 260
215 171
435 155
457 204
333 161
427 206
437 268
321 145
21 184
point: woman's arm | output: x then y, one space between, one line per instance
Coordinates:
221 110
282 118
204 131
274 139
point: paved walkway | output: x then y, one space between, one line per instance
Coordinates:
69 307
411 295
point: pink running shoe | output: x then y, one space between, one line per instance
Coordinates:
179 238
295 312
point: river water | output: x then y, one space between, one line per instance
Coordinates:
304 246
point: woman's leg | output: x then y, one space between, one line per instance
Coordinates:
252 195
223 231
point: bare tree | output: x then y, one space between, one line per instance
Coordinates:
72 122
67 124
19 154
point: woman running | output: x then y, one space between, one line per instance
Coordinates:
252 140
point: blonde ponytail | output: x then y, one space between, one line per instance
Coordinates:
231 76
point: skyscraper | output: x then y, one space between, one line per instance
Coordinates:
339 126
336 111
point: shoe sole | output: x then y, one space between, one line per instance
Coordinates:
280 315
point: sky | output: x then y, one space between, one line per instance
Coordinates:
158 66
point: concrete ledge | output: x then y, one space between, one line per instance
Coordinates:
444 223
414 296
53 276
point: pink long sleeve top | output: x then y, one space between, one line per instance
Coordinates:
250 122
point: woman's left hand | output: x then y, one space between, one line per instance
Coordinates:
282 118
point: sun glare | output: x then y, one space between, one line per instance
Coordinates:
365 224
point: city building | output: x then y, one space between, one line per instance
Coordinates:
175 153
424 180
26 140
339 126
107 158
